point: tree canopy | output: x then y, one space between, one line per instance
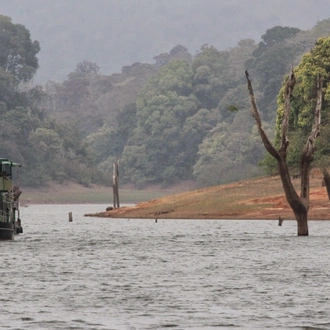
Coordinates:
47 149
314 63
18 52
183 117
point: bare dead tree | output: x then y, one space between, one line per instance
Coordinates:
298 204
115 184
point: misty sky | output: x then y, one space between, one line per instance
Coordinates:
114 33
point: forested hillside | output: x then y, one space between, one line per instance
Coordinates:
184 117
47 149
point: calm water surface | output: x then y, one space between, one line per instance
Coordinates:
117 274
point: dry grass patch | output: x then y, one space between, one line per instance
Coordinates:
261 198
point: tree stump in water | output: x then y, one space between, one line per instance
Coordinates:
280 221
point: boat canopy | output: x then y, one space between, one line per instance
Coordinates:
7 162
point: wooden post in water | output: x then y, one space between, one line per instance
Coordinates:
115 184
70 216
280 221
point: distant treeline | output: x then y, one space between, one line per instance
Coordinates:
183 117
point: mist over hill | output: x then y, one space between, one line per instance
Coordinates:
114 33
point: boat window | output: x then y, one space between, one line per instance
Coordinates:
6 170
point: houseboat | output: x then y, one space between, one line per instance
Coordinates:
10 222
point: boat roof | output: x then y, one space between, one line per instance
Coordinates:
5 161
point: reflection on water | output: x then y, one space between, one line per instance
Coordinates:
97 273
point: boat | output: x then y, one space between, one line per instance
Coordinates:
10 222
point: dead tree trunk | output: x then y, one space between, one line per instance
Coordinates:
326 179
115 184
298 204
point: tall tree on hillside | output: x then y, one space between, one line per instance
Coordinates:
18 62
17 50
312 77
303 101
84 69
301 115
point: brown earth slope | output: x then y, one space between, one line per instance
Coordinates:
261 198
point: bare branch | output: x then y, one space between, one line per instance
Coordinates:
285 123
255 113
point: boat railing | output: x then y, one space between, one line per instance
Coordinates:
7 200
4 216
8 196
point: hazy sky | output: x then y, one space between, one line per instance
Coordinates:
114 33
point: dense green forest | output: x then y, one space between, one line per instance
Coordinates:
184 117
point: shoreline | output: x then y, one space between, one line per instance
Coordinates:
255 199
74 193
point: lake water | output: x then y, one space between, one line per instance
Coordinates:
96 273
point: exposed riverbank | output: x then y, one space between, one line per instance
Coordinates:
261 198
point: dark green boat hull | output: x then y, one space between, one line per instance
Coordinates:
7 231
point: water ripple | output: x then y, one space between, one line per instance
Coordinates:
137 274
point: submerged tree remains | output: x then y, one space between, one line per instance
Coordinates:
115 184
298 204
